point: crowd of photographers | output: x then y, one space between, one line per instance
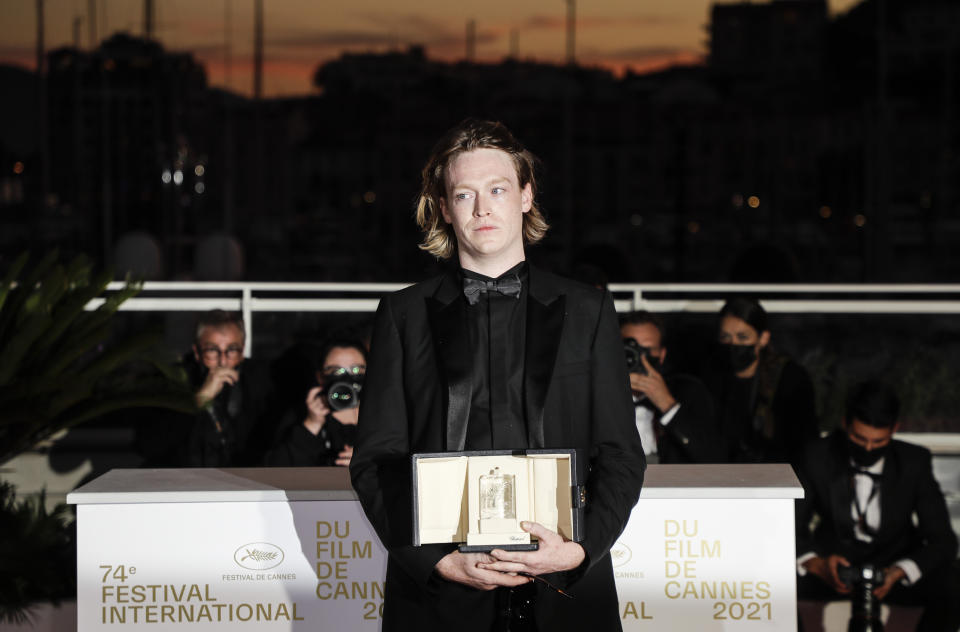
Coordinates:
299 410
873 523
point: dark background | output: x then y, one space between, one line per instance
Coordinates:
807 147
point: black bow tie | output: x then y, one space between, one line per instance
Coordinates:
855 469
508 286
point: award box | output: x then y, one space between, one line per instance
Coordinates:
478 499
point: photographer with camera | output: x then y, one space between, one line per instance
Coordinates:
327 432
236 404
867 488
674 414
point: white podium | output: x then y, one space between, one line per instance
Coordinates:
708 547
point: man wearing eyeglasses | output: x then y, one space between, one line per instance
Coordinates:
219 349
233 395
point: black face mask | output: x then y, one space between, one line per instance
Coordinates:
863 457
738 357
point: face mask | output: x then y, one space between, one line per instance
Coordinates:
863 457
739 357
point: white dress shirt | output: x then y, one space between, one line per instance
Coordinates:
644 418
869 502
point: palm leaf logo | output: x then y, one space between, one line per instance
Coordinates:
259 556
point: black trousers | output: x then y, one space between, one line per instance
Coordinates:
515 609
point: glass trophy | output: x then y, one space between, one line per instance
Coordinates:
498 499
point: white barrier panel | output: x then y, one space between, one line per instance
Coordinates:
306 565
707 548
707 564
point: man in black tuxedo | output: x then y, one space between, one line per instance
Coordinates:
867 488
495 354
674 412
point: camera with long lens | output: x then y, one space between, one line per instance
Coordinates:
864 605
634 353
343 391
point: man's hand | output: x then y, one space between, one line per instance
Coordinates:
555 554
826 569
653 386
467 568
891 575
343 459
216 378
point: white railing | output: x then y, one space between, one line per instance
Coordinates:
856 299
253 297
256 297
248 298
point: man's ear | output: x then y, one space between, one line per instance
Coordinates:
526 198
896 428
196 353
663 355
443 211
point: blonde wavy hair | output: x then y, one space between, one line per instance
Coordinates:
439 239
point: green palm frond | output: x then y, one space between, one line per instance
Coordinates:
10 277
57 370
39 549
20 292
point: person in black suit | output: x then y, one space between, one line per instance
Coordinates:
674 412
878 503
495 354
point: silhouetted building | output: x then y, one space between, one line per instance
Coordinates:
805 139
20 179
128 146
773 41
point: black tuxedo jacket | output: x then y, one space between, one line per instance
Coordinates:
692 436
907 487
417 399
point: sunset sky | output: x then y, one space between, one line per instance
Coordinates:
301 34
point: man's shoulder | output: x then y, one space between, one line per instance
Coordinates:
575 290
910 452
416 292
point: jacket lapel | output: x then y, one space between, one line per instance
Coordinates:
888 490
545 315
448 325
840 496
